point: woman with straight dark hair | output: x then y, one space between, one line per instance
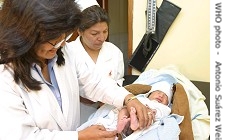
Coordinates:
97 54
39 94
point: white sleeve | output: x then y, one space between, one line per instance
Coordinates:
119 64
98 88
95 86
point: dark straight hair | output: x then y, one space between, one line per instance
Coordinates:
92 15
27 24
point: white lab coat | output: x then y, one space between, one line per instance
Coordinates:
29 114
109 64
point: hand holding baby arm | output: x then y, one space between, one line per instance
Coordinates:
145 120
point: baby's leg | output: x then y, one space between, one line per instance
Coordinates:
134 124
122 119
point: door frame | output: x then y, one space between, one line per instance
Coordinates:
130 33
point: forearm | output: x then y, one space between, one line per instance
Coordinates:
103 89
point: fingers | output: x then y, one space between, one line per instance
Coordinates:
144 117
101 127
141 114
105 133
108 135
151 116
96 132
100 132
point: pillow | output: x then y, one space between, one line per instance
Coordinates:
137 88
181 107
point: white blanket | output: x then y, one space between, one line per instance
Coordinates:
167 126
198 109
168 129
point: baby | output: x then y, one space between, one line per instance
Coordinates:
158 99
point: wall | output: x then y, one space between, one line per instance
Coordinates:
1 2
186 44
117 10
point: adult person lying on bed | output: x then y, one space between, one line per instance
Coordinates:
39 94
95 53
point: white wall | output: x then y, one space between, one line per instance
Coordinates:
186 44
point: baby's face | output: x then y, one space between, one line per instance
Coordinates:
159 96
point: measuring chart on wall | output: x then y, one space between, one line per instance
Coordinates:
151 25
158 22
151 16
145 49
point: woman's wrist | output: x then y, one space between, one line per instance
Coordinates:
128 99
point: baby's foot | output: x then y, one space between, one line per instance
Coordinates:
122 123
134 124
